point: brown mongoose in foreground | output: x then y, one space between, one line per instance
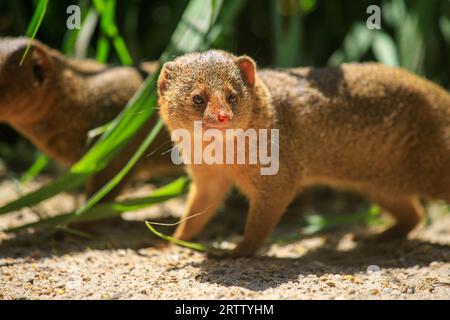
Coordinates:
54 101
377 130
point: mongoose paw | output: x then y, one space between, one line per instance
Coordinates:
364 237
219 254
394 233
162 244
182 234
94 225
389 235
242 251
238 252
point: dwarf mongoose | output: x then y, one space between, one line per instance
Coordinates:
54 101
377 130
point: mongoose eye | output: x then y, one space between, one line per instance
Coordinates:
198 100
232 98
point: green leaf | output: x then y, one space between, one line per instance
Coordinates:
444 24
37 18
39 164
111 209
121 174
355 45
413 34
110 31
318 223
225 25
34 25
76 41
307 6
384 49
287 33
394 12
64 183
191 245
122 51
103 48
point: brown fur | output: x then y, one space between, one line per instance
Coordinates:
373 129
54 101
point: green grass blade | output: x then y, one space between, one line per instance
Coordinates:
119 176
192 31
39 164
33 27
356 44
110 32
307 6
103 47
71 45
319 223
288 29
384 49
64 183
444 24
111 209
37 16
225 25
122 51
191 245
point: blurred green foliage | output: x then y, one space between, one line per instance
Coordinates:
317 32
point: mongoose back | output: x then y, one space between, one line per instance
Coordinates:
379 131
54 101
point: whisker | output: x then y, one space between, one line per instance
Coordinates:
170 150
184 219
154 151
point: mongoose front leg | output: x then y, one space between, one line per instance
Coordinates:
206 194
407 211
264 213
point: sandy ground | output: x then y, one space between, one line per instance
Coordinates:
125 261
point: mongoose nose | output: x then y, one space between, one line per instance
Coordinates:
223 118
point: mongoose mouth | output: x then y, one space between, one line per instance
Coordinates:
216 125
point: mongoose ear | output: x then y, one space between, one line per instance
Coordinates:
248 69
164 77
37 62
37 57
40 62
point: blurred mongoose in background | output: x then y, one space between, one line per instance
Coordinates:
54 101
377 130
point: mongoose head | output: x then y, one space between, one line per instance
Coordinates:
21 86
213 87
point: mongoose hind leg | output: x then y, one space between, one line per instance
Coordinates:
407 212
